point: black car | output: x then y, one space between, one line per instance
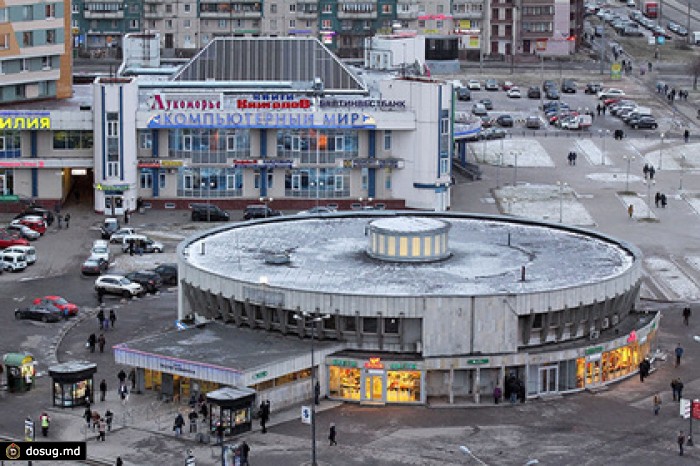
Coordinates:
568 86
551 93
533 92
259 211
208 213
108 227
168 273
644 122
505 121
150 281
46 214
548 84
42 312
593 88
487 103
464 94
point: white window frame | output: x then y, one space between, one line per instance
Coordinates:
338 182
444 126
146 180
113 129
50 10
296 143
230 182
387 182
296 182
2 142
162 180
187 142
444 166
387 139
231 143
145 140
112 169
188 181
340 143
25 65
188 7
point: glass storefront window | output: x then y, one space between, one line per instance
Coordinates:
344 383
152 379
403 387
71 394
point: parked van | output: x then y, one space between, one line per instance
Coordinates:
100 250
141 243
28 251
13 261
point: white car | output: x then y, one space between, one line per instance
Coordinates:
610 93
474 85
24 230
100 251
118 236
28 251
119 285
317 210
513 93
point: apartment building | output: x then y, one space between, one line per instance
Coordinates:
35 61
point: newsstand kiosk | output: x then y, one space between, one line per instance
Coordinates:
20 371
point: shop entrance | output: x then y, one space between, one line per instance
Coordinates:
549 379
373 387
594 375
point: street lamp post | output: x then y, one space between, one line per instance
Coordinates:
314 319
649 183
561 185
629 159
515 167
604 135
680 186
661 148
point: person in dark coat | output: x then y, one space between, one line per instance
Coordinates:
663 201
179 422
103 389
122 377
686 315
112 317
102 342
686 135
657 199
100 318
67 219
264 416
521 391
497 394
332 434
109 417
92 341
652 172
645 170
87 415
193 421
245 451
317 392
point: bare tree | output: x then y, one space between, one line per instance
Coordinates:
694 70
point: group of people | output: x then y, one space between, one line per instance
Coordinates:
649 171
104 321
94 421
677 389
660 198
671 93
60 219
94 341
572 158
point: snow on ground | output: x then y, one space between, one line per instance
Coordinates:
613 177
641 208
672 278
592 152
529 153
677 157
544 202
693 200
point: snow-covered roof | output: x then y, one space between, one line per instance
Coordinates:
409 224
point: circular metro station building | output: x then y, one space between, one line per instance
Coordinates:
422 308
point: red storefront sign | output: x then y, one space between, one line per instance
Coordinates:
695 409
374 363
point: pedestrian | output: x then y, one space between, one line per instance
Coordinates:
657 198
122 377
679 354
630 210
645 170
123 394
132 378
102 430
220 433
102 341
663 201
641 371
112 317
674 389
681 442
317 392
598 109
204 411
263 417
649 65
179 422
119 458
193 421
657 404
95 420
44 420
92 340
652 172
109 417
67 218
686 135
103 389
679 388
497 394
686 314
58 221
87 415
126 217
573 157
245 451
332 434
100 318
105 323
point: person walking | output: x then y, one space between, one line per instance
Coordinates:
674 389
652 172
332 434
102 342
109 417
67 219
44 420
92 340
103 389
100 318
317 392
245 451
686 135
630 210
122 377
101 429
681 442
663 201
193 421
657 199
119 461
645 170
686 315
679 388
497 394
264 416
123 394
179 422
679 354
132 378
87 415
657 404
58 221
112 317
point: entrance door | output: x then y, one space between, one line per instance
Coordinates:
548 379
593 373
373 389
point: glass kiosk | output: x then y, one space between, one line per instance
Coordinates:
72 383
232 408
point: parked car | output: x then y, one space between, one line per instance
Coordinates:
150 281
505 121
317 210
533 122
493 133
100 250
533 92
568 86
141 243
593 88
8 239
487 121
208 212
491 85
42 312
682 31
28 251
168 272
259 211
66 307
474 85
118 236
487 103
464 94
479 110
46 214
13 261
547 84
610 93
644 122
513 93
119 285
34 222
24 231
94 266
109 226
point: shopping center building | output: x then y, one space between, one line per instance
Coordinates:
415 308
277 119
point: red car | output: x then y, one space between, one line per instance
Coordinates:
68 309
609 102
34 222
7 240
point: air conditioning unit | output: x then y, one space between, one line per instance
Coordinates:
594 335
605 324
